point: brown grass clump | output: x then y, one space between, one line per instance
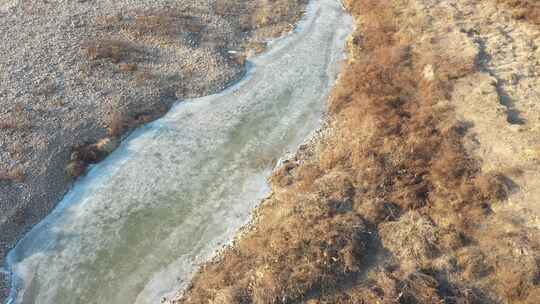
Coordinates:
413 239
524 9
16 174
84 155
290 261
251 15
8 125
114 50
143 77
119 122
513 255
391 209
18 120
166 22
15 124
128 67
75 168
94 153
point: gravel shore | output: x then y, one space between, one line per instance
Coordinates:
77 72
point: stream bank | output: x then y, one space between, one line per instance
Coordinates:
99 69
424 189
136 227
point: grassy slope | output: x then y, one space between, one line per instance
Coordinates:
388 208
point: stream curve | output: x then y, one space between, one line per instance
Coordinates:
136 227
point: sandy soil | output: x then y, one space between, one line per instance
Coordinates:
97 70
502 100
425 188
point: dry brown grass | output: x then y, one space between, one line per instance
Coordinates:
122 121
18 120
15 124
8 125
16 174
392 182
413 239
251 15
114 50
143 77
118 123
166 22
128 67
84 155
75 168
524 9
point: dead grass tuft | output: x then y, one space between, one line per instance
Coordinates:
6 125
290 259
84 155
15 124
113 50
16 174
122 121
513 256
143 77
167 22
413 239
75 168
128 67
118 123
18 120
252 15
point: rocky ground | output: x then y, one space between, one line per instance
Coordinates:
78 75
425 186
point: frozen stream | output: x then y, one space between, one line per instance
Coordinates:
134 229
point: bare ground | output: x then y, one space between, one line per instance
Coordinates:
71 86
425 186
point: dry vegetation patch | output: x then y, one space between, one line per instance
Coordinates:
176 24
113 50
413 238
524 9
15 175
119 123
262 13
391 208
18 120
